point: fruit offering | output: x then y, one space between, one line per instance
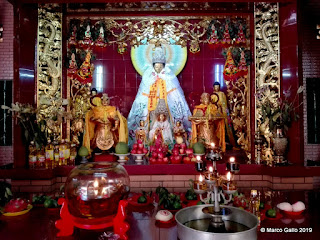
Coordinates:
138 148
198 148
168 200
122 148
159 154
16 205
190 158
176 158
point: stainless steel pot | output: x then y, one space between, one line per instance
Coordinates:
195 213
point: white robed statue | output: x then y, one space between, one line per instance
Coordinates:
158 82
161 129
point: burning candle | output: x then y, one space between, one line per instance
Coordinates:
232 165
228 180
199 184
209 174
95 187
212 145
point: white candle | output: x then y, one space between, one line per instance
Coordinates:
228 179
228 176
96 185
199 182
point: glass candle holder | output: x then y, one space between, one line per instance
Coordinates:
93 190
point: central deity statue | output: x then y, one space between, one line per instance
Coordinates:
158 83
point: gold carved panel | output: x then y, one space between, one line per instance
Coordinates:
49 67
267 80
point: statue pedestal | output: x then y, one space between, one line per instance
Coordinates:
104 158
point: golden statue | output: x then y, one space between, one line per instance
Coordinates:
141 133
104 126
219 99
203 129
179 133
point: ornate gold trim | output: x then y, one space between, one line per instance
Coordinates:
267 59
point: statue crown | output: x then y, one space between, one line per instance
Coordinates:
159 55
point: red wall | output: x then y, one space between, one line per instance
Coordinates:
290 72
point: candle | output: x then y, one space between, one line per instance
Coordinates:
209 174
232 165
198 184
198 158
95 186
228 176
228 179
212 145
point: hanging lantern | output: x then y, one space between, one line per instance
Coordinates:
242 66
230 71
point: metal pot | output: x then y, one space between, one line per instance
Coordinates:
237 216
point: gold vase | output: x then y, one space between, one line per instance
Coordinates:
280 147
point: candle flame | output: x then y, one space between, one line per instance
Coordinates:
200 178
95 184
212 145
198 158
232 160
211 169
228 176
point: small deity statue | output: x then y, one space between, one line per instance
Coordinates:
241 39
242 66
160 126
180 134
104 126
230 71
100 42
219 98
72 65
141 133
226 35
202 129
87 41
73 37
159 84
214 37
84 74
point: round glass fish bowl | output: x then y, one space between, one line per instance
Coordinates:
93 190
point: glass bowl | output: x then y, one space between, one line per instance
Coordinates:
93 190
